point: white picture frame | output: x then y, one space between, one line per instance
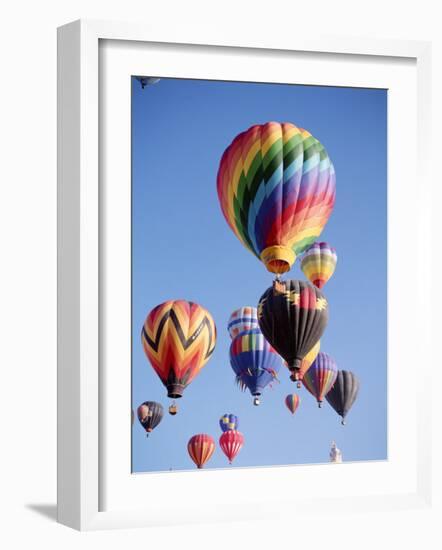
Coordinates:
95 487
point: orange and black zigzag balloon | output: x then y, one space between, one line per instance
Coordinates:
178 338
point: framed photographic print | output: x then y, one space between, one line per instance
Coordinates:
234 218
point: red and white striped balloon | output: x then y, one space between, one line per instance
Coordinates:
231 443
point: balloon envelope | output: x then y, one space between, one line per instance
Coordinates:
276 188
254 361
147 80
178 338
293 320
343 393
321 376
244 318
150 414
228 422
292 402
200 448
319 263
231 443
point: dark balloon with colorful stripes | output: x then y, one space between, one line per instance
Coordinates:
293 316
150 414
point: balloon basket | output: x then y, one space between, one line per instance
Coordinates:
256 402
320 404
173 409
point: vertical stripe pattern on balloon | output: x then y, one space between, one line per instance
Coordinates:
201 447
321 376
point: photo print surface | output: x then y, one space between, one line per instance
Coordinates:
259 274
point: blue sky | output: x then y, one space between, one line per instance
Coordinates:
183 248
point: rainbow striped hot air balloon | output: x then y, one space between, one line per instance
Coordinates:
276 188
244 318
292 402
178 338
319 263
321 376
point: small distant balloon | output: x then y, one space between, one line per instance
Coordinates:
200 448
343 393
292 402
147 80
228 422
321 376
231 443
319 263
150 414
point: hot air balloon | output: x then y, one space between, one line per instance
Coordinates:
150 414
228 422
147 80
254 362
318 263
178 338
231 443
276 188
200 448
321 376
343 393
293 320
292 402
244 318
